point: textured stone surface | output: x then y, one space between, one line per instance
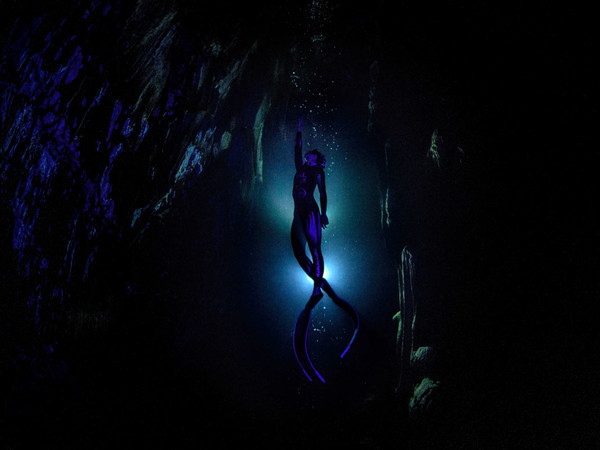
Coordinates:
133 144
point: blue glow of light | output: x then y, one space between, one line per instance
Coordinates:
332 272
348 248
302 279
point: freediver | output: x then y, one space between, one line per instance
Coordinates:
306 229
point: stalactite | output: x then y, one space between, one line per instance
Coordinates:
433 152
406 317
423 396
384 188
259 123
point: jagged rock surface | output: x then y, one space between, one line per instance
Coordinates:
107 116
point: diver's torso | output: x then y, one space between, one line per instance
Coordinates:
305 181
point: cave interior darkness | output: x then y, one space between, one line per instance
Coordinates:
148 285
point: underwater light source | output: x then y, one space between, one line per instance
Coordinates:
306 280
331 272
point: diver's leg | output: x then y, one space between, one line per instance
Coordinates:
314 270
299 241
303 322
298 246
313 238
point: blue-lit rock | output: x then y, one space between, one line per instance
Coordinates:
148 291
99 139
423 396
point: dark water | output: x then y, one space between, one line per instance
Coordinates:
257 367
252 366
200 351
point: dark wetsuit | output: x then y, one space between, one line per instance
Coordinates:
306 227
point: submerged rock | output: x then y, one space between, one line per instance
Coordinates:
422 358
110 116
423 396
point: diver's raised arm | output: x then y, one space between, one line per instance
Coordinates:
298 146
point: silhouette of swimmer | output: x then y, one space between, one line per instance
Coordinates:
306 229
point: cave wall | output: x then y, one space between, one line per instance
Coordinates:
111 114
422 202
482 179
116 116
423 147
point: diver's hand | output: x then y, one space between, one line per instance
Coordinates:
300 124
324 220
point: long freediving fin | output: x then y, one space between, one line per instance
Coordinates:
353 314
300 340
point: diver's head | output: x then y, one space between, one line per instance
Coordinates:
315 158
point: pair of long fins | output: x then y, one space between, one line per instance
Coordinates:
303 323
